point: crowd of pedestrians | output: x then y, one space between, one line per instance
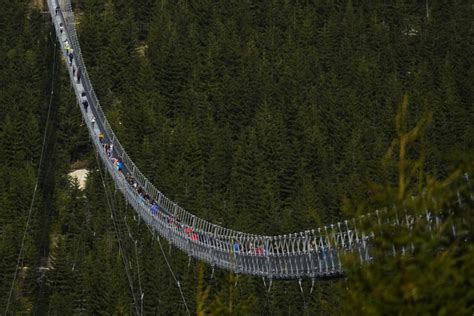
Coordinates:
141 195
144 199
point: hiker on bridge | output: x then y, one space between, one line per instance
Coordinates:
71 57
236 247
86 105
119 165
78 74
66 48
154 208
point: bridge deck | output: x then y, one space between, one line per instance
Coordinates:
314 253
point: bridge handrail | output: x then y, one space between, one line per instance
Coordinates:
307 252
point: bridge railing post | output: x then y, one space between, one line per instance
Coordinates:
312 253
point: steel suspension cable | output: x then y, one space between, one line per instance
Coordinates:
174 276
117 234
139 279
135 241
43 146
43 236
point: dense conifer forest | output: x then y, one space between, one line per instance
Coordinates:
267 117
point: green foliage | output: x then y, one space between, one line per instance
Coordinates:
26 54
226 302
421 270
260 116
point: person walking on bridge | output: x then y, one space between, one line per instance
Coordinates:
78 73
85 104
71 57
66 48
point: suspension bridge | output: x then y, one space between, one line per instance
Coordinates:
312 253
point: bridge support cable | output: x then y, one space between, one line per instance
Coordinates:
30 210
135 244
174 277
125 259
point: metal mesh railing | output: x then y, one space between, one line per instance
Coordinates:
312 253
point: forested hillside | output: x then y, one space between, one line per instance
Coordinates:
262 116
